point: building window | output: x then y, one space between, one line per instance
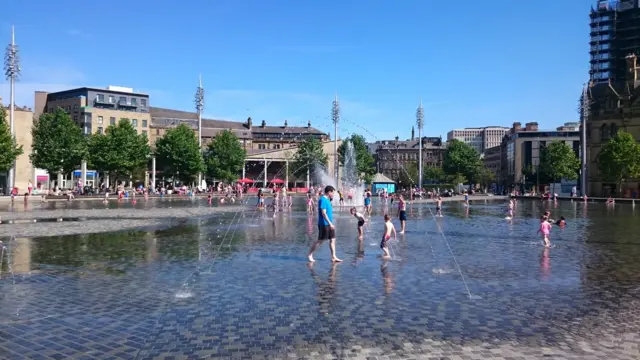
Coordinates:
112 99
613 130
134 101
100 97
112 120
99 119
123 100
143 102
134 122
261 146
157 131
144 123
604 132
75 107
144 132
100 130
75 118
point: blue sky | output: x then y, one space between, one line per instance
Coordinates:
473 63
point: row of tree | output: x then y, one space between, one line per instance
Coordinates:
59 146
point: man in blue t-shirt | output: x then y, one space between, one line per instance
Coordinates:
326 229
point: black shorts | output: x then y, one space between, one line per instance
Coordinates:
326 232
403 215
437 208
383 243
360 223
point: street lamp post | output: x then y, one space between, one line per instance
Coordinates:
585 103
420 123
12 72
199 100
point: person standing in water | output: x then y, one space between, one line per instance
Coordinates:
402 213
326 228
466 198
367 203
361 221
545 230
386 236
439 206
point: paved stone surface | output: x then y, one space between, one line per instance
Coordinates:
236 285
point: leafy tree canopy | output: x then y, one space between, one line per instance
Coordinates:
224 157
365 163
558 160
434 174
58 143
408 176
485 176
9 149
309 154
619 159
461 159
178 153
120 150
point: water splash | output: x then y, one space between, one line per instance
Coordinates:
351 186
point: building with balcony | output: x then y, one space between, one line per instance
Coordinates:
615 34
479 138
521 149
94 109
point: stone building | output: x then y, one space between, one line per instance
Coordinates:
613 106
393 157
23 122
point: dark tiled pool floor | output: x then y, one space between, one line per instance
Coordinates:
238 286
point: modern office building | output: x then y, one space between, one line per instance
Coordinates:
393 157
259 138
23 122
521 149
479 138
94 109
615 34
492 161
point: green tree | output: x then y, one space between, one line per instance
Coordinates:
120 151
461 159
408 176
309 154
558 161
619 159
224 157
59 145
9 148
178 153
485 177
434 174
365 163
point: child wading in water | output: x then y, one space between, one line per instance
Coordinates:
545 230
388 229
361 221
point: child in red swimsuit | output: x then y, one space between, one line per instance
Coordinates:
388 229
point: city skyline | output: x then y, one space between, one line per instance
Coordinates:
295 76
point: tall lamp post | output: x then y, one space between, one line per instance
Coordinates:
420 123
199 100
12 72
335 117
584 116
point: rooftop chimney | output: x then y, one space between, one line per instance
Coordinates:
249 122
531 126
516 127
285 124
264 124
413 133
309 124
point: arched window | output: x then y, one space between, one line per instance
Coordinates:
604 132
613 130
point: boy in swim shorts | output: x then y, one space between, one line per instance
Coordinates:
386 236
361 221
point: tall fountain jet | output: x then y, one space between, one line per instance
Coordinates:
584 116
12 73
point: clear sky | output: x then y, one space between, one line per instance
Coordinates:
473 63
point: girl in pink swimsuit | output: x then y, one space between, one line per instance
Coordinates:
545 230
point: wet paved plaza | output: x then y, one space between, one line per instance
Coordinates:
470 285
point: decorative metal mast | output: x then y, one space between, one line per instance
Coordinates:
12 73
420 123
585 103
199 101
335 117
